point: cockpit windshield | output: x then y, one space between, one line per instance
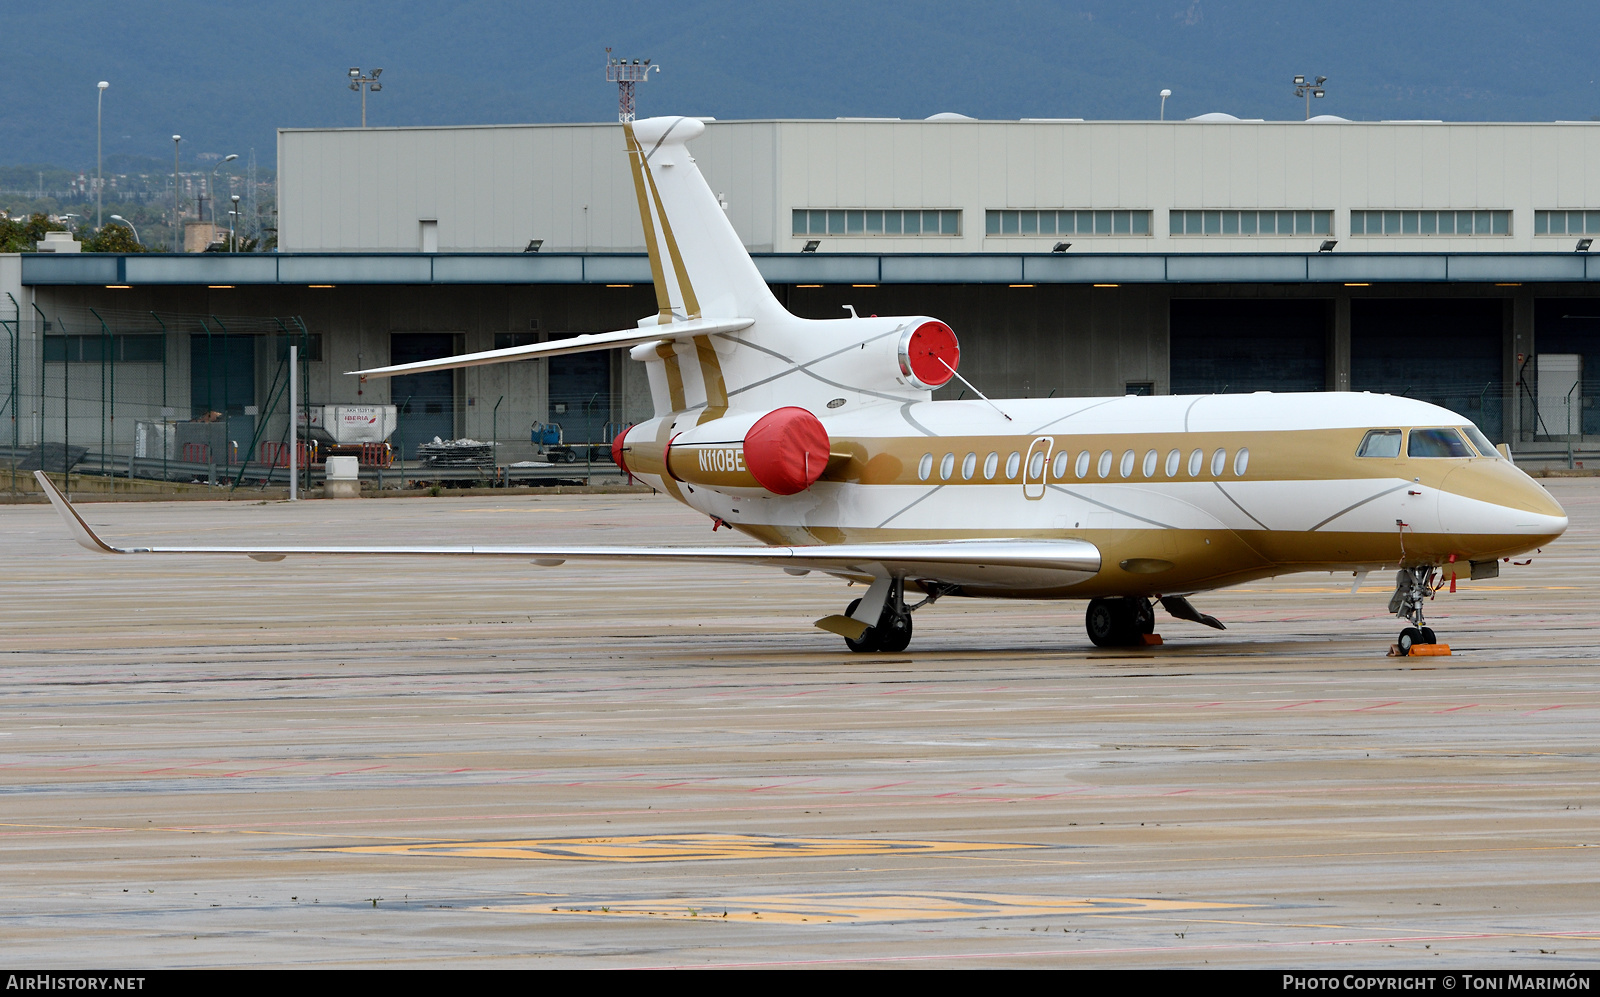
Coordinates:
1380 443
1480 441
1437 443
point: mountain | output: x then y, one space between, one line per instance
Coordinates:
225 74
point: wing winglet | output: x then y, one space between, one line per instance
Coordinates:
80 530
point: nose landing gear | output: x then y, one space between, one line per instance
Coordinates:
1413 586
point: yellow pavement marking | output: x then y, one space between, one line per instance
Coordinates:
675 848
822 908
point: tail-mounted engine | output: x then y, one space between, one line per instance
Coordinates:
781 452
928 355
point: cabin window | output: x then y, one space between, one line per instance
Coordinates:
1173 460
1241 461
1036 465
1195 460
1059 467
969 467
1380 443
1150 464
1127 463
925 466
991 464
1013 465
947 467
1083 464
1105 464
1480 441
1437 443
1219 460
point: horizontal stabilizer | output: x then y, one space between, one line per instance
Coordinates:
1034 563
576 344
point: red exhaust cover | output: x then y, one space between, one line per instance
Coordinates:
786 450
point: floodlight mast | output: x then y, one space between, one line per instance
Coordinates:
1309 89
365 85
625 74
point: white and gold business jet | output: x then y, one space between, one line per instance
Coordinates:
820 439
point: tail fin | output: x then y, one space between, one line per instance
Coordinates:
700 267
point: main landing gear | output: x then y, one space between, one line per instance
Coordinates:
1128 620
1413 586
1119 622
890 629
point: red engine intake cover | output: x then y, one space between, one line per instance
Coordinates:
922 351
616 452
786 450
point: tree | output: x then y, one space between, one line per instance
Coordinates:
113 238
17 236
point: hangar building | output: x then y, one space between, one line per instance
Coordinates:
1447 261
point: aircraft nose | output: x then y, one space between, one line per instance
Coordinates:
1495 501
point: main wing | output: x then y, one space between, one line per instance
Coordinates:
987 563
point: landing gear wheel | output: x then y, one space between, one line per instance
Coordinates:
1427 636
895 632
1409 637
1118 622
869 640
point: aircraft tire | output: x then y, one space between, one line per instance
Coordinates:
869 640
1409 637
1428 636
895 632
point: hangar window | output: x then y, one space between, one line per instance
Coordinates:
1251 223
1380 443
1047 222
310 346
1566 223
1452 223
135 348
873 222
1437 443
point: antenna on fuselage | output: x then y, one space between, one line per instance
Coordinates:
974 387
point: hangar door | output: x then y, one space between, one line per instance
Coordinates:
1233 346
426 402
1443 351
1569 328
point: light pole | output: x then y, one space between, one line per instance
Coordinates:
364 84
1164 95
119 218
177 226
230 157
1307 89
232 215
99 168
